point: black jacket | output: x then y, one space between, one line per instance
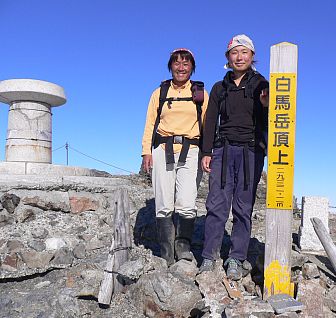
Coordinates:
242 116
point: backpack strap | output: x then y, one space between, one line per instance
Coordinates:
221 104
164 87
197 90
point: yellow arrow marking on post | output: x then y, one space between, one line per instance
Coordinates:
277 279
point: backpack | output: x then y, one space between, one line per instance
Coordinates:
197 96
252 83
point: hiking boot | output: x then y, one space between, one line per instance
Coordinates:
208 265
166 235
184 232
237 269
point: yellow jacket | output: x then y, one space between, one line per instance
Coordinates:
179 118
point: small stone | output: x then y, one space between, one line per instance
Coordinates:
24 214
298 259
95 244
91 282
249 308
79 251
80 229
14 245
63 256
10 263
131 270
10 201
106 220
330 299
42 284
288 315
282 303
54 243
184 268
3 216
40 233
310 270
37 245
249 284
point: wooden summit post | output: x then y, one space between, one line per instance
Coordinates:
280 170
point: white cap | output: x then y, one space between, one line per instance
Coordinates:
240 39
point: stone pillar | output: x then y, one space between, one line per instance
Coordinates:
313 207
29 133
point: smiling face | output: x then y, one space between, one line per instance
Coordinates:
240 59
181 70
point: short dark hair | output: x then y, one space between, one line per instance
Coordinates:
185 55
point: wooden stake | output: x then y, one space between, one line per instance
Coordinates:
119 251
106 287
280 174
326 240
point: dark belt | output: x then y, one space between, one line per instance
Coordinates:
169 150
225 144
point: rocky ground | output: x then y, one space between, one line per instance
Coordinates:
55 238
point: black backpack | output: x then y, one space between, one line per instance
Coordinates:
197 96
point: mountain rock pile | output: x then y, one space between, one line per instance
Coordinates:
55 239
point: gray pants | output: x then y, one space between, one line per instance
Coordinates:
175 185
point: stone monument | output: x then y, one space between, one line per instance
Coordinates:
29 133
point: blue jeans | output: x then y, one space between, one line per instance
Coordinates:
235 193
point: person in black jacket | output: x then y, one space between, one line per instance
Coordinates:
233 153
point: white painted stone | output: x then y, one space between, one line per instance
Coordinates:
54 243
313 206
31 90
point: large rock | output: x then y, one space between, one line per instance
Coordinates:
330 299
160 294
35 259
311 294
213 290
46 200
10 201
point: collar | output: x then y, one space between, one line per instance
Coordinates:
186 85
229 78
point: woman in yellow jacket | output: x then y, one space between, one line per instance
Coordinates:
172 153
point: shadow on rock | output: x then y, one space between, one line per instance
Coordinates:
145 228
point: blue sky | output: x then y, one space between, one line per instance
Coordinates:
110 55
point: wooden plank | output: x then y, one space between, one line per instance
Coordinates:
280 174
119 251
106 286
278 244
325 239
232 288
121 236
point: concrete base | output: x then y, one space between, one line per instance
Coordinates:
38 181
42 169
